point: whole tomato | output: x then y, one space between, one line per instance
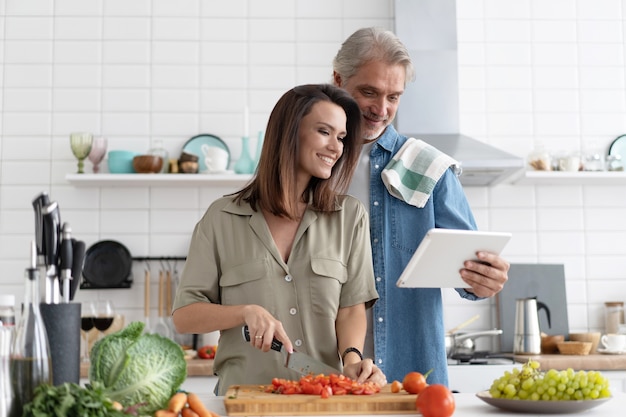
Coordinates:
435 401
207 352
415 382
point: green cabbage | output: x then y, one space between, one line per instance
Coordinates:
138 368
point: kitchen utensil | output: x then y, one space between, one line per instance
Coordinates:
161 326
529 280
52 237
63 322
462 325
463 343
80 143
147 164
549 343
78 260
146 299
41 201
593 337
527 334
613 342
194 146
108 264
120 161
252 400
66 261
296 361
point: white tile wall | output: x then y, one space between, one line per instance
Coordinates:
530 71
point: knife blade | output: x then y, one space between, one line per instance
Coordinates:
78 261
297 361
65 261
51 235
39 202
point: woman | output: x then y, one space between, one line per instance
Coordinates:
288 255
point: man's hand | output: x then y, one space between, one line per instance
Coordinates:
487 276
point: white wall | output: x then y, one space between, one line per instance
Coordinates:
137 71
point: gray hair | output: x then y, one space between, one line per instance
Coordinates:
369 44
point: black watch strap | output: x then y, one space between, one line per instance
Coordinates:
351 349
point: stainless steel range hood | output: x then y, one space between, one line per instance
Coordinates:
429 107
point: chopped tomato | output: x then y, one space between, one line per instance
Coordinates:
207 352
322 385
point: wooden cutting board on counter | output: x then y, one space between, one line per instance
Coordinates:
252 400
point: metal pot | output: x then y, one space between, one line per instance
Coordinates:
463 343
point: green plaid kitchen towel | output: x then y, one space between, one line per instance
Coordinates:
414 171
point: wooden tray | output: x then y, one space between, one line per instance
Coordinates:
252 400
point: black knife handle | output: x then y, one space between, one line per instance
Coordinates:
78 260
41 201
277 345
51 233
66 253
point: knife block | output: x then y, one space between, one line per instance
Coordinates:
62 322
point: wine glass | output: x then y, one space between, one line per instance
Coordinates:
98 150
80 142
104 316
87 316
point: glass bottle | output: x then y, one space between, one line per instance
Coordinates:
7 310
159 150
30 363
613 316
245 164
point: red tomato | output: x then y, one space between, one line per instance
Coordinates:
435 401
207 352
414 382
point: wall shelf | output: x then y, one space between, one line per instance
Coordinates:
157 180
571 178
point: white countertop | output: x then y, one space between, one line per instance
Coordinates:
468 405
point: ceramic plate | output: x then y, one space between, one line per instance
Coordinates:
611 352
618 147
194 146
540 407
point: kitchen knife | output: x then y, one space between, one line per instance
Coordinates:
41 201
296 361
78 260
51 236
65 261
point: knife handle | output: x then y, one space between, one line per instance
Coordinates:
78 260
277 345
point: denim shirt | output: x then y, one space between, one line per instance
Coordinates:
408 325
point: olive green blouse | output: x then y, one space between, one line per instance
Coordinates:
233 260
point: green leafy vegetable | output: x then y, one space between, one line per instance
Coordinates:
71 400
138 368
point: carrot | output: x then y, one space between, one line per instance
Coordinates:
188 412
198 406
165 413
177 402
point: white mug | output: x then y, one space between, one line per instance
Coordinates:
614 342
215 159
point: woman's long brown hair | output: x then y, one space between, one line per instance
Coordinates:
273 187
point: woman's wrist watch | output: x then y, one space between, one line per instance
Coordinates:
351 349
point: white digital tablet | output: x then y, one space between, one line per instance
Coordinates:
439 258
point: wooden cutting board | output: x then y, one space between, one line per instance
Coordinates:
252 400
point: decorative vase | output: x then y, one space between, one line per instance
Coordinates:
245 164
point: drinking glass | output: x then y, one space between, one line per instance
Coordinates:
87 316
104 316
80 142
98 150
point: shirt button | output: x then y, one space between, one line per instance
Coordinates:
375 240
376 203
380 319
378 279
380 361
288 278
293 311
298 342
376 166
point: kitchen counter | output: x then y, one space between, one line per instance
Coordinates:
597 362
195 367
468 405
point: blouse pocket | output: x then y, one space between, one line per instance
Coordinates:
328 278
247 283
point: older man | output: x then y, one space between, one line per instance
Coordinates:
406 331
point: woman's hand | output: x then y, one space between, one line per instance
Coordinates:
365 371
264 327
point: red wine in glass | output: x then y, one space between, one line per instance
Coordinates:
87 323
102 323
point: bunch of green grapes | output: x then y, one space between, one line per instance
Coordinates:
529 383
